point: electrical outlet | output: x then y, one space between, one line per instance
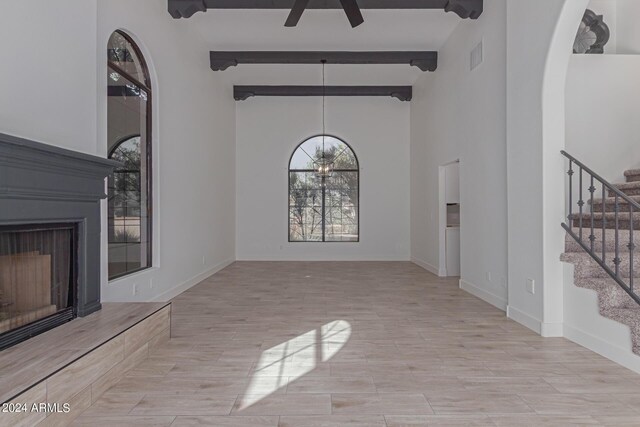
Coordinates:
135 289
151 283
204 260
489 276
531 286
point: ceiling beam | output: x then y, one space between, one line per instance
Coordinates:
403 93
464 8
426 61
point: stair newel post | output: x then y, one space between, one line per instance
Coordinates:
616 259
592 189
580 203
631 246
570 173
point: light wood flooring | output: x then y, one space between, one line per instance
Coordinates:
32 361
358 344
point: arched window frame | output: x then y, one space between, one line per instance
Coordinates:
146 86
290 170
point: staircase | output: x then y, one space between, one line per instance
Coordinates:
598 242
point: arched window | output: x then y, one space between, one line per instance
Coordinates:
129 142
324 191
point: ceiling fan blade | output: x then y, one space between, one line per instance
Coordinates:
296 12
353 12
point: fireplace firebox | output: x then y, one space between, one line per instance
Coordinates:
50 241
38 279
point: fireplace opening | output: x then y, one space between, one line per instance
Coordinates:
38 279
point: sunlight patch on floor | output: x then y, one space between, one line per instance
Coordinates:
286 362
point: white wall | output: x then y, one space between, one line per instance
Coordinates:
461 114
193 146
602 113
48 80
627 28
268 131
536 77
53 89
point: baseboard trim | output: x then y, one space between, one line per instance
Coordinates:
552 330
484 295
524 319
620 355
177 290
430 268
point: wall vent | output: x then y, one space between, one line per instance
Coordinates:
476 56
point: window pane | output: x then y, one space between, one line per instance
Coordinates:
331 202
305 224
122 54
335 149
129 223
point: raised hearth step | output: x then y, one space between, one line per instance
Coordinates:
632 175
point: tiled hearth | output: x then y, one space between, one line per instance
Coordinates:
77 362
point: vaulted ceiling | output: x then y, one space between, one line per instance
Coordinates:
324 27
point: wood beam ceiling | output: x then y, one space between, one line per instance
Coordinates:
466 9
403 93
426 61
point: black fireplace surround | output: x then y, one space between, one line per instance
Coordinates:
44 185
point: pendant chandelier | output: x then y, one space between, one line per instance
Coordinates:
323 164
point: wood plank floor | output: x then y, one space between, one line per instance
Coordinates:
359 344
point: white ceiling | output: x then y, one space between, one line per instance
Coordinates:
324 30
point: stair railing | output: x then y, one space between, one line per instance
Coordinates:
585 222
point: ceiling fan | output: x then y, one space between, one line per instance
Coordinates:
350 7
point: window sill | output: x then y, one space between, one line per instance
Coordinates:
135 275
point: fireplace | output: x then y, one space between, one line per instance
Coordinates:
38 279
50 242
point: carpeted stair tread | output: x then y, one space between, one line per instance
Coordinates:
585 266
609 216
610 204
610 294
571 245
624 220
632 172
631 188
627 185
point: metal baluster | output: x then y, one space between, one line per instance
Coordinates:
631 246
592 237
604 221
570 173
580 204
616 259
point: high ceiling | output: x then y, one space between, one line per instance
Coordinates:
324 30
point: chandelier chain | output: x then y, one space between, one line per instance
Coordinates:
324 94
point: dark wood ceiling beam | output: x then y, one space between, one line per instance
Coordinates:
471 9
426 61
403 93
